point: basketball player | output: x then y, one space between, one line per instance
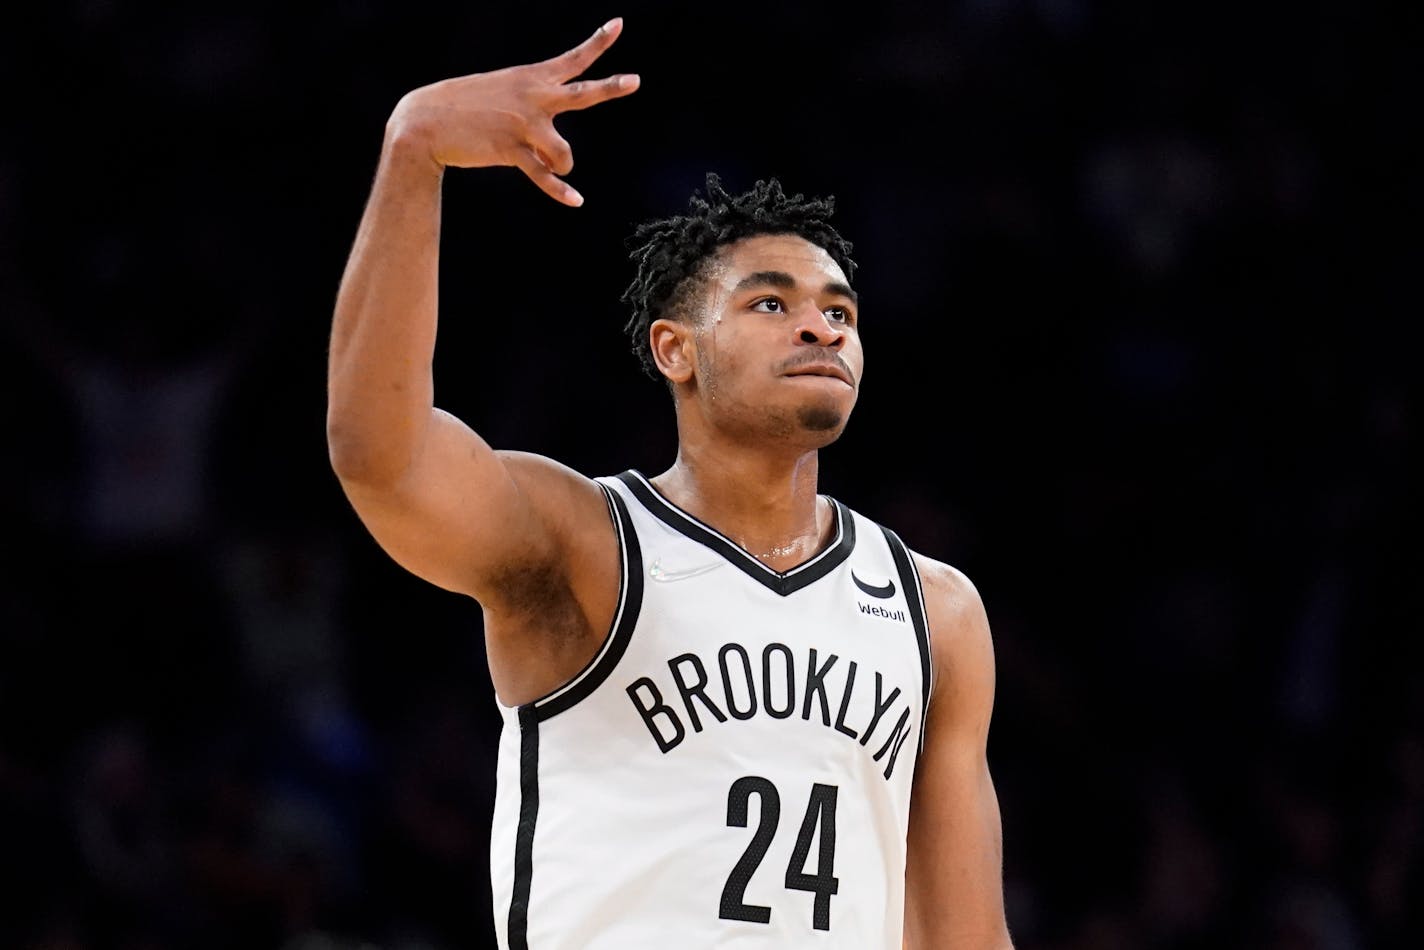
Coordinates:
736 712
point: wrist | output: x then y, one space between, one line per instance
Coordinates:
408 144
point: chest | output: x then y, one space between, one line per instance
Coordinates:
718 658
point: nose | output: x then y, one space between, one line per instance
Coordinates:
813 328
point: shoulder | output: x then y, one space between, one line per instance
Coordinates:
948 587
961 646
570 513
562 497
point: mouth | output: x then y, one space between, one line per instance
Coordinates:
825 371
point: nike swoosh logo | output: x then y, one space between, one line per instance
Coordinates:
658 573
882 592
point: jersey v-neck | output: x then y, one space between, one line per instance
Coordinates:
781 582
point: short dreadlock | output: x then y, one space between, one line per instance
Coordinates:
671 253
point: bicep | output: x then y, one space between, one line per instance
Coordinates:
954 873
462 512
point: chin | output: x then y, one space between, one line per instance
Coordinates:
822 419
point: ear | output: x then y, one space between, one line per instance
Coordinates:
672 344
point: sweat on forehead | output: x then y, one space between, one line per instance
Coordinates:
783 261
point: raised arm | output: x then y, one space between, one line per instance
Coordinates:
434 494
954 896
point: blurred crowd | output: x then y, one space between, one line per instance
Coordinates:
1140 343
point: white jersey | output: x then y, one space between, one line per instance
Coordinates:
733 769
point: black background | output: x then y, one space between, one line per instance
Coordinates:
1139 295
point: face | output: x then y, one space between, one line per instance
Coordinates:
773 347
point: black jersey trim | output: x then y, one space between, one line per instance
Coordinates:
625 618
782 583
915 600
524 837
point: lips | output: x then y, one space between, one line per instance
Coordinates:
823 369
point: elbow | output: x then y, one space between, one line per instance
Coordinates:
346 450
357 457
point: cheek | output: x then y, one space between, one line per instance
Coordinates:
719 351
855 359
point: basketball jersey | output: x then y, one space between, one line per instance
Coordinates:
733 769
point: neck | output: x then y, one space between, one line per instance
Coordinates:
767 504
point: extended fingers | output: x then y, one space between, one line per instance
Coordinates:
575 61
590 92
545 156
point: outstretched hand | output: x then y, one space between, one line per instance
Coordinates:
506 117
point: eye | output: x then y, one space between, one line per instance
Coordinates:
838 315
769 305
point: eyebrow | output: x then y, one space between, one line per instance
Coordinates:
783 280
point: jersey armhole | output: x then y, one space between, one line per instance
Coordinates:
625 618
919 617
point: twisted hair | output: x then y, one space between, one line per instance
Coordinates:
672 253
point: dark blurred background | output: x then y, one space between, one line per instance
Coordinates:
1139 286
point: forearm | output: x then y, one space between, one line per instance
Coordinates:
380 392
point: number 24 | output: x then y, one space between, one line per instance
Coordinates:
820 810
